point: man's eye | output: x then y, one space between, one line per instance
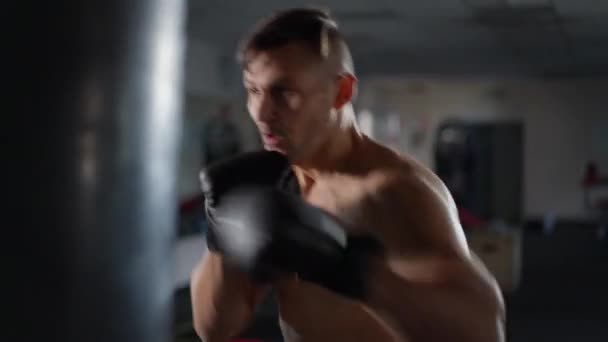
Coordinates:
253 90
289 93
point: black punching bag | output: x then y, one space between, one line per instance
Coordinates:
90 172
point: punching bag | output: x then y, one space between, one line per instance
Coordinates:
90 172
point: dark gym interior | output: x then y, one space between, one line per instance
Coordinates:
118 105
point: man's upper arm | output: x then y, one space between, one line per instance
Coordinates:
418 217
429 265
427 243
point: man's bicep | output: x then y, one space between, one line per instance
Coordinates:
431 245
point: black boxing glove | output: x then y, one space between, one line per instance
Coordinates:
250 169
267 232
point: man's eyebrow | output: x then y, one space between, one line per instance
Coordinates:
279 83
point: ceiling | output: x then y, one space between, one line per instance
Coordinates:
548 38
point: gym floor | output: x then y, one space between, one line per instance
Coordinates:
563 294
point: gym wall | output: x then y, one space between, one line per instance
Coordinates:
565 125
210 82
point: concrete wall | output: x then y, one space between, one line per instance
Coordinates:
565 125
211 82
203 69
204 92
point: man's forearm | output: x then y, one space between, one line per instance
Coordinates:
428 312
223 299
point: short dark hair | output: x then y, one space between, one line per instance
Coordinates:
310 26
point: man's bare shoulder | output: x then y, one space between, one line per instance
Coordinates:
392 171
424 228
420 207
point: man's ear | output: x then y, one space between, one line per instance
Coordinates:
346 90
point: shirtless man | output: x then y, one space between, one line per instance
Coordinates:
370 250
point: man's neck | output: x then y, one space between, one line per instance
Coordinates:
331 156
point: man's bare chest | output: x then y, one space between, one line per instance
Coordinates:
311 313
348 199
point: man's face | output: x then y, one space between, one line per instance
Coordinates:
289 97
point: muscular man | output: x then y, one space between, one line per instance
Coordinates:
370 249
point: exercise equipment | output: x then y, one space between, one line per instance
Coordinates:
93 136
